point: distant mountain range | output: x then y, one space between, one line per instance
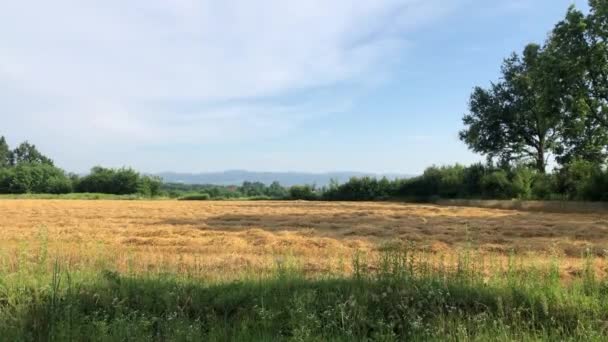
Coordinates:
237 177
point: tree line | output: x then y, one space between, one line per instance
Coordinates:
579 180
25 170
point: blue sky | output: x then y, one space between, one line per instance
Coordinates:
310 85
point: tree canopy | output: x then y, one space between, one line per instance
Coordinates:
28 153
516 118
5 153
553 99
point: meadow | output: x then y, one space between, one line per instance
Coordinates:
297 270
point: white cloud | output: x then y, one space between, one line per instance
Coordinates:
117 71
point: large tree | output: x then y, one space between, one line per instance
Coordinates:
580 50
516 119
28 153
5 153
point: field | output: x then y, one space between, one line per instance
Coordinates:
219 238
174 251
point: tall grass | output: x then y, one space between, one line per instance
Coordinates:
402 294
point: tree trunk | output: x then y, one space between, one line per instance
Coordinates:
540 159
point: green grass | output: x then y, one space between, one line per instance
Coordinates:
397 299
77 196
99 196
206 197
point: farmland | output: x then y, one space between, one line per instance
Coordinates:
216 239
295 270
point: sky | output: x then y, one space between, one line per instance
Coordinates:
269 85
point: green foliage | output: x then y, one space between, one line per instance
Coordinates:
34 178
6 177
110 181
551 100
516 118
149 186
471 179
575 179
199 197
275 190
497 185
71 196
249 190
302 192
5 154
27 153
360 189
59 185
543 186
445 182
578 44
522 180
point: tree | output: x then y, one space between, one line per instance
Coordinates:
122 181
275 190
28 153
302 192
150 186
579 44
5 153
516 119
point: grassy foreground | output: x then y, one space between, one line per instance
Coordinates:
74 196
399 296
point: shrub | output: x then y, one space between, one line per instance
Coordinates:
59 185
149 186
122 181
275 190
6 176
33 178
198 197
597 189
451 181
543 186
302 192
496 185
471 178
521 183
575 179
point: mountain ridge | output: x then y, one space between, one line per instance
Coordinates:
287 178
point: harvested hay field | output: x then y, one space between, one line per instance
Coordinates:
218 239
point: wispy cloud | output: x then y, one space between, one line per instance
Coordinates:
96 71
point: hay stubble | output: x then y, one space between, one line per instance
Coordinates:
223 238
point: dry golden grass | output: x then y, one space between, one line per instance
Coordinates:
223 238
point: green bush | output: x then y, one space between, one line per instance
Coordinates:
543 186
59 185
472 177
122 181
34 178
360 189
149 186
497 185
576 179
451 181
6 176
597 190
302 192
198 197
521 182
